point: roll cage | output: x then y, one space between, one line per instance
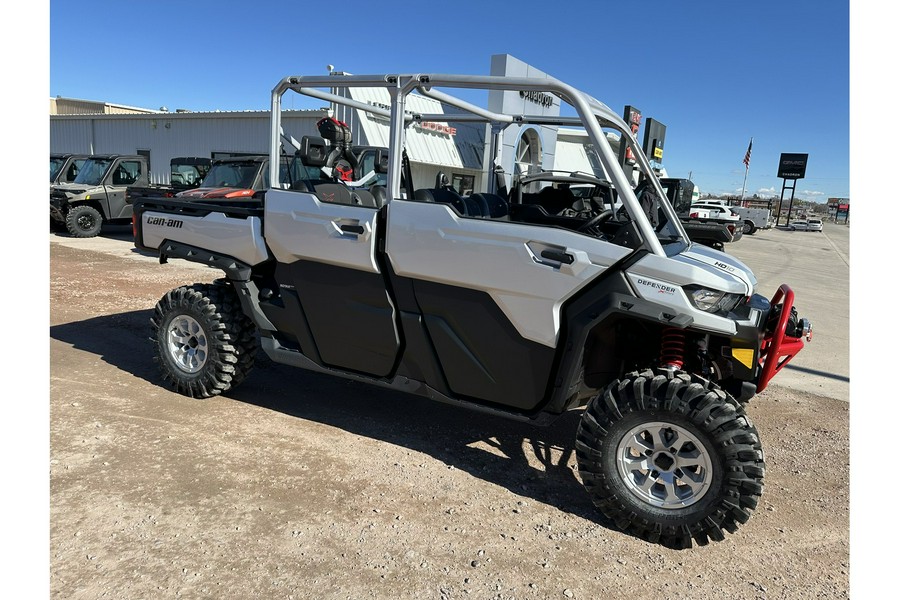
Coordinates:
667 238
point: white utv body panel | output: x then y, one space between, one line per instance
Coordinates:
239 238
299 226
723 264
660 280
431 242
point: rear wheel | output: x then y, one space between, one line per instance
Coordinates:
749 228
204 343
670 458
83 221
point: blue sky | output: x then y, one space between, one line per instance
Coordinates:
716 73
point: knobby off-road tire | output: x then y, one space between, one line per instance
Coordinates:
670 458
204 343
83 221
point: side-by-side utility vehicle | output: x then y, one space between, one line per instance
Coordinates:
512 303
102 191
64 168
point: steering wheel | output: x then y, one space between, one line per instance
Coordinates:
595 221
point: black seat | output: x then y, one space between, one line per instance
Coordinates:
529 198
493 206
530 213
474 207
361 197
334 193
556 199
379 192
305 185
443 196
338 193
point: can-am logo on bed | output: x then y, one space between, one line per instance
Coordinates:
163 222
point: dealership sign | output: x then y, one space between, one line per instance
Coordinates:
541 98
792 166
427 126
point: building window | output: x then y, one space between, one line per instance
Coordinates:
528 154
463 184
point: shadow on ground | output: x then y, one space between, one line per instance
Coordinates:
528 460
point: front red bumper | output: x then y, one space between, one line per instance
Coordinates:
778 348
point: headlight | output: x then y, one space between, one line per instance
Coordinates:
713 301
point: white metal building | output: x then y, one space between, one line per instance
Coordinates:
163 136
458 150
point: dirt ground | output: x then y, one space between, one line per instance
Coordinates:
299 485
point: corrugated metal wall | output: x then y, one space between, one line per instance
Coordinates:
171 135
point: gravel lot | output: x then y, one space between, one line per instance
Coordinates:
298 485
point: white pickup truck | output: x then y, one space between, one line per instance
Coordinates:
512 304
706 209
754 218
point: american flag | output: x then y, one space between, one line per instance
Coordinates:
747 156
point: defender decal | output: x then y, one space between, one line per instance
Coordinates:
660 288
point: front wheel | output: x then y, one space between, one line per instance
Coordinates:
670 458
83 221
204 343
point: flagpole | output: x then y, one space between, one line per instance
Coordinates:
744 187
746 170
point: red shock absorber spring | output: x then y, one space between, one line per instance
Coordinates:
671 348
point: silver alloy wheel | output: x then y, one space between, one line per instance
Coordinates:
187 344
664 465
